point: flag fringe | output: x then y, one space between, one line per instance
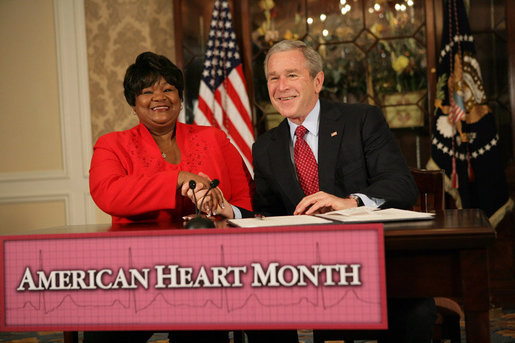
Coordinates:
499 215
447 184
494 219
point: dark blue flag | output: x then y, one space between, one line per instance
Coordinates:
465 140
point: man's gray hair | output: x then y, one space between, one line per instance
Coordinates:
313 59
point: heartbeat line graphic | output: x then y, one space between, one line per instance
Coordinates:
224 302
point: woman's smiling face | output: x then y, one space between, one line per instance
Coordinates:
158 106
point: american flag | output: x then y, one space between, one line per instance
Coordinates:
223 101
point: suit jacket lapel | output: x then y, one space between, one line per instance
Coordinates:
282 166
329 138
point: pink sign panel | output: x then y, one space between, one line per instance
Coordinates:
313 277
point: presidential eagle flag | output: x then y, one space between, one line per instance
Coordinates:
465 141
223 101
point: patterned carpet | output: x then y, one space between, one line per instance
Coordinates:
502 325
502 329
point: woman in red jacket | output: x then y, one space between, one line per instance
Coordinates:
143 174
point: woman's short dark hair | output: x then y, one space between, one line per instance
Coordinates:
146 71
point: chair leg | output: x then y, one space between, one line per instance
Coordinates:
451 329
71 336
238 336
447 326
320 336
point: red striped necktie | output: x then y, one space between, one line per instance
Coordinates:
307 167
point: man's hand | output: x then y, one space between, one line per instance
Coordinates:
213 201
223 208
322 202
212 204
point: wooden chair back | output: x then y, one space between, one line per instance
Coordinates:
430 187
431 198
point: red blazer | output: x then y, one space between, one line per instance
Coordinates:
130 180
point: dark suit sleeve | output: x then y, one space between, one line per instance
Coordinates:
245 213
267 200
389 177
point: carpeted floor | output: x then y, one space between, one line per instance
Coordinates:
502 325
502 329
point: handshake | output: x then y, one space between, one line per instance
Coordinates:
205 195
213 184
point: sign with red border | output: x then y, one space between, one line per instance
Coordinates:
313 277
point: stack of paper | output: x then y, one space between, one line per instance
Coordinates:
367 214
351 215
278 221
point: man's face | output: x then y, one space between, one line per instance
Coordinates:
292 90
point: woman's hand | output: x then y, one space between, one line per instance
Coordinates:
213 203
223 209
184 179
322 202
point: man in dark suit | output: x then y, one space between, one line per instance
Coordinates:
352 160
357 154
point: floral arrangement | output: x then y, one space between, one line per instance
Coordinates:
399 65
345 74
382 64
266 34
